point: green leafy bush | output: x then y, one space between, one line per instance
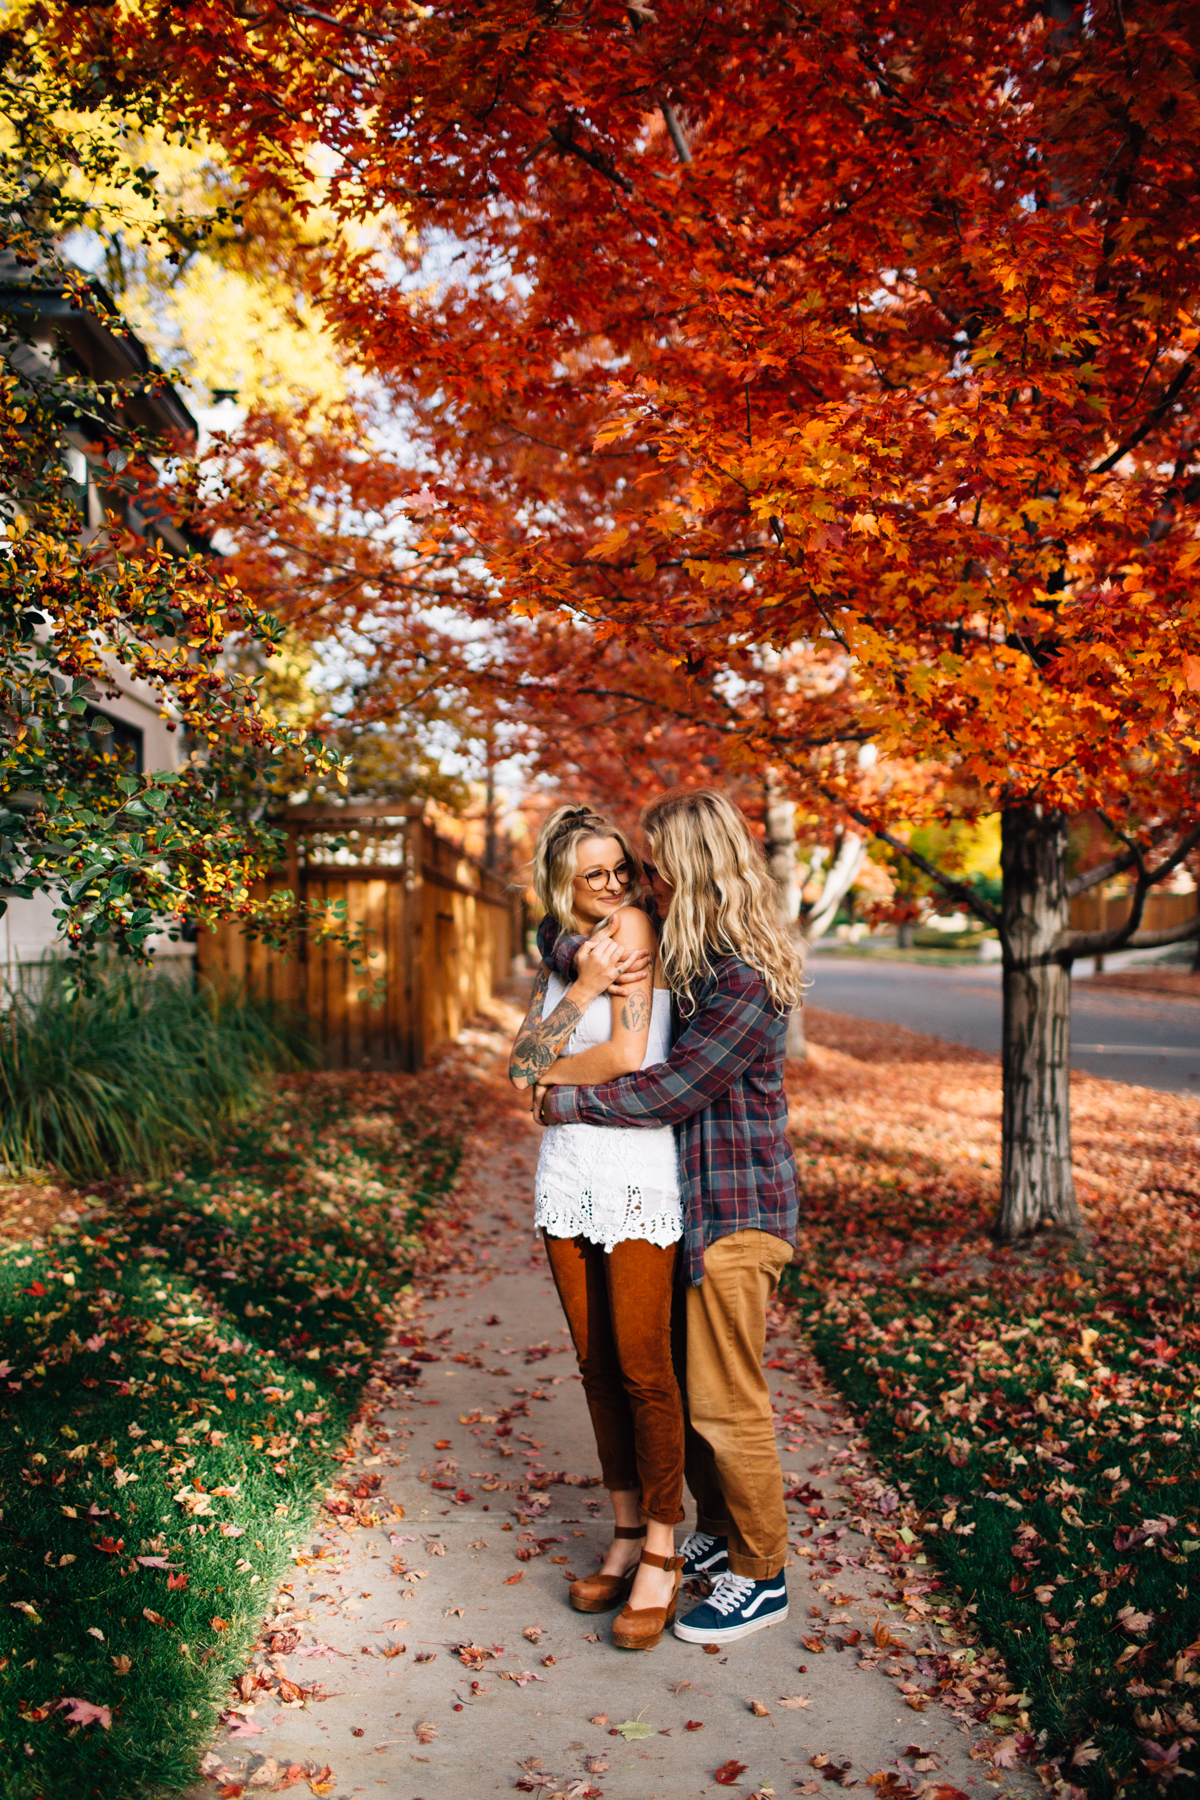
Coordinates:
114 1081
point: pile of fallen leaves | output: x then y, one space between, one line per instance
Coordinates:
178 1370
1040 1407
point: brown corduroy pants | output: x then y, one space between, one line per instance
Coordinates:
730 1455
618 1308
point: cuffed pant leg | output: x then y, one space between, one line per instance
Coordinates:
729 1401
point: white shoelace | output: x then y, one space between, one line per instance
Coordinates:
696 1543
729 1591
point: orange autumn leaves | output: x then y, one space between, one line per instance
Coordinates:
1038 1408
906 368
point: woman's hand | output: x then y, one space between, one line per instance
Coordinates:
539 1097
599 962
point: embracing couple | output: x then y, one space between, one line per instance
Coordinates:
666 1192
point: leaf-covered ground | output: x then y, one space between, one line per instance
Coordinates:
1040 1407
177 1373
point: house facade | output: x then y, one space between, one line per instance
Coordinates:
58 336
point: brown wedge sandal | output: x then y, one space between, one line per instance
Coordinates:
600 1593
640 1627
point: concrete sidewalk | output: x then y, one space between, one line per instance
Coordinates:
454 1663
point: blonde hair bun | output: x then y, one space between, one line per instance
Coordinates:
554 857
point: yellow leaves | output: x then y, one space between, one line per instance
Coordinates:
1191 672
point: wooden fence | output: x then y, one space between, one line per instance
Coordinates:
1093 912
440 932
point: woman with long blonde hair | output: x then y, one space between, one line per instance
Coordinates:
607 1203
735 973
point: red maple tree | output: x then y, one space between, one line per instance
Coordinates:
725 327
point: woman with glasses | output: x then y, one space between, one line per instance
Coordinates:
607 1203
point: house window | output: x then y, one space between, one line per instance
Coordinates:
113 737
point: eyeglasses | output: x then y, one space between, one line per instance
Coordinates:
597 879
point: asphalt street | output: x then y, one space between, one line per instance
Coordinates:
1145 1040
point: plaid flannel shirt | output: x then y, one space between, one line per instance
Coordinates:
722 1088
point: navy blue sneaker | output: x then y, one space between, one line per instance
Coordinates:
704 1555
736 1607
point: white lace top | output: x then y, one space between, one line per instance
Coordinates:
610 1182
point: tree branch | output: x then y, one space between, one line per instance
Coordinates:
958 890
1116 865
1163 404
1096 943
675 131
1128 935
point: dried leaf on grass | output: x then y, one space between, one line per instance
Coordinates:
83 1712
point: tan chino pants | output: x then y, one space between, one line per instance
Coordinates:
731 1461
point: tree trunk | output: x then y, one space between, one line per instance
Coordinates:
1037 1183
781 853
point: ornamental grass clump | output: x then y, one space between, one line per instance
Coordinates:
113 1081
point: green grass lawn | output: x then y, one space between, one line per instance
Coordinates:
175 1377
1041 1407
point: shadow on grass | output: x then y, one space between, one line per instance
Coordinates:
177 1375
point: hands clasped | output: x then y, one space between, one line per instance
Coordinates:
602 965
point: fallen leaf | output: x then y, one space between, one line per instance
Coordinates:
712 1649
244 1728
426 1656
513 1579
425 1732
1085 1754
82 1712
323 1782
600 1719
633 1729
758 1709
122 1664
794 1702
814 1645
533 1633
729 1772
694 1725
596 1765
220 1624
266 1774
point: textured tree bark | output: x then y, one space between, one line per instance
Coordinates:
781 853
1037 1183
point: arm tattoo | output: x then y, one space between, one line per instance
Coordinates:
540 1040
635 1012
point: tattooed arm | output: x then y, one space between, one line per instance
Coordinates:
540 1040
626 1046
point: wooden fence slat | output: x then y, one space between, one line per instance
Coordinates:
441 929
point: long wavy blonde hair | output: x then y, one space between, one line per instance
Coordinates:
726 903
555 855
